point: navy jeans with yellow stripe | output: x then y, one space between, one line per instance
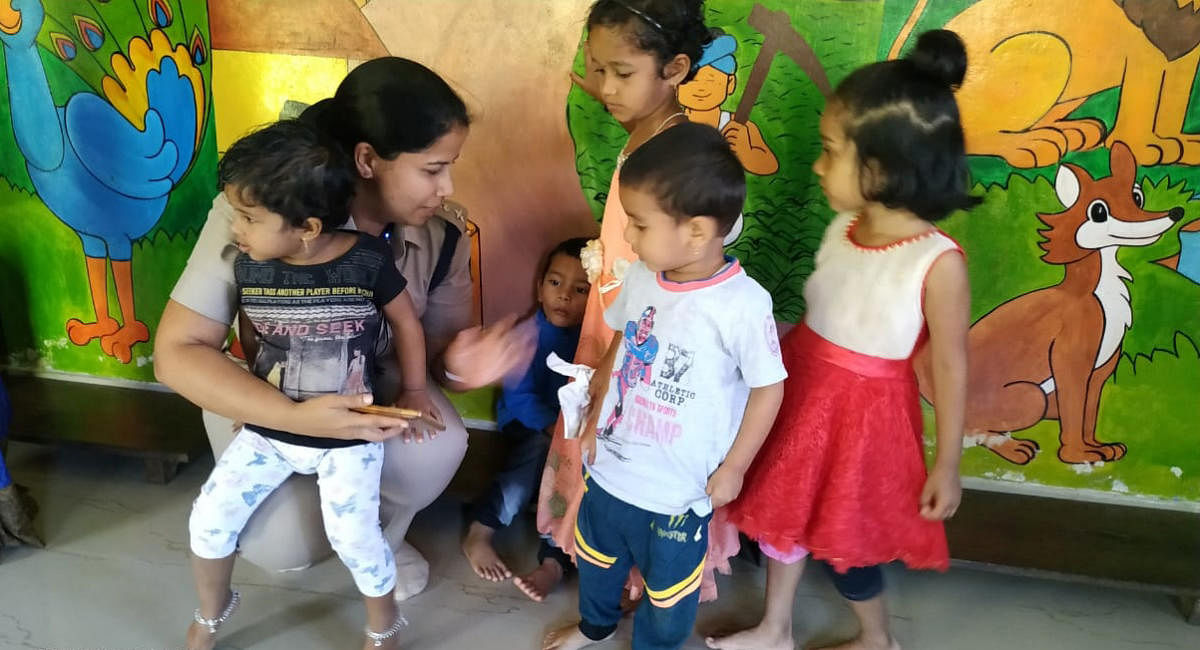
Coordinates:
612 536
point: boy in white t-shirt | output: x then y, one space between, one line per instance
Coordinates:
697 382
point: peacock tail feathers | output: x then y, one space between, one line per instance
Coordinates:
126 88
87 35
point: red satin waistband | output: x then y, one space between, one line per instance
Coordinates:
862 364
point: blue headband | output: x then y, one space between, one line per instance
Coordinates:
719 54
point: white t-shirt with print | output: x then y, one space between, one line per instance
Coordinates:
690 353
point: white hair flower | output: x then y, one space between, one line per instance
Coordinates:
620 268
592 257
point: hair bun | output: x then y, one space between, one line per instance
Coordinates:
326 117
319 114
941 55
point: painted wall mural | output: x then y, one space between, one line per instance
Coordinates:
1084 368
1085 255
1146 48
106 140
1084 138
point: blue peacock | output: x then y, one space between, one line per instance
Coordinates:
106 161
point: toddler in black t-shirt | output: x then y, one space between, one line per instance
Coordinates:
312 304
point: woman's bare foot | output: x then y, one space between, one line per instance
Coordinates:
412 572
541 581
477 546
199 638
759 637
859 643
568 638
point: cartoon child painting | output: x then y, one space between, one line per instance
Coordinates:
701 98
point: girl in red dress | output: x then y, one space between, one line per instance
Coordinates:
842 476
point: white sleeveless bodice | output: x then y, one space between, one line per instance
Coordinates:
870 299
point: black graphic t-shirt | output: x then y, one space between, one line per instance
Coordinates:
317 325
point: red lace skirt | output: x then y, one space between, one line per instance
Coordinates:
842 471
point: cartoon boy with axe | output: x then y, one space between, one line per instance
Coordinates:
716 80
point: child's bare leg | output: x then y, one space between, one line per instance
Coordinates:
873 620
774 632
477 546
631 595
569 637
538 583
212 586
383 618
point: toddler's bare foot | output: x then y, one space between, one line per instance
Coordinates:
387 644
760 637
477 546
541 581
199 638
859 643
568 638
384 622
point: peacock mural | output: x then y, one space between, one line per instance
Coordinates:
106 158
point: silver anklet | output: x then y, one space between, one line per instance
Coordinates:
380 637
213 623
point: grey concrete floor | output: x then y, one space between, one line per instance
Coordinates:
115 575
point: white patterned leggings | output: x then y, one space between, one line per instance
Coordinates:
348 479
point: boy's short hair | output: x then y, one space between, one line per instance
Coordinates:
293 170
572 247
692 172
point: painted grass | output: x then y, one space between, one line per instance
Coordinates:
47 285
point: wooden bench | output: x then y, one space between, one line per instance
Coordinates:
1108 544
159 427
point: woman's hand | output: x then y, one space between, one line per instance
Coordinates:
329 416
416 430
481 356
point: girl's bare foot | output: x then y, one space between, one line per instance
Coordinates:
568 638
859 643
199 638
760 637
477 546
541 581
